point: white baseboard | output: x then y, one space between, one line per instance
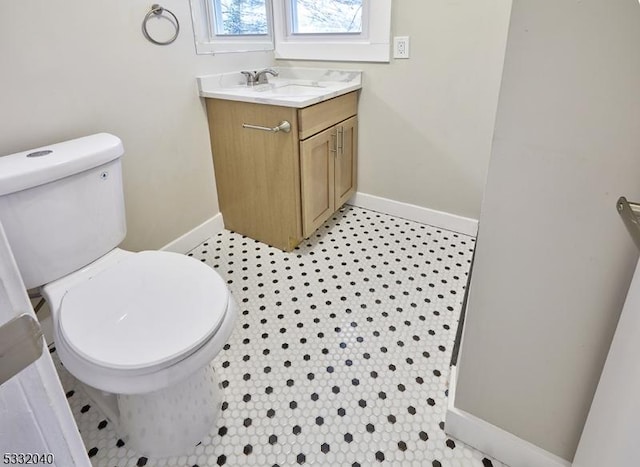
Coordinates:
196 236
442 220
492 440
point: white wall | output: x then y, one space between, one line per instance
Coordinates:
426 123
78 67
613 426
553 259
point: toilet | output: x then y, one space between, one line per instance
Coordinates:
138 330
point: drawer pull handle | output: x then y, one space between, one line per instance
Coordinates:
282 126
340 138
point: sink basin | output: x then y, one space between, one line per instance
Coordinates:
294 90
293 87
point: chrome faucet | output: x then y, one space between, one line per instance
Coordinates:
258 77
261 76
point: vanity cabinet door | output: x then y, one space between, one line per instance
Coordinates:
257 172
317 168
346 160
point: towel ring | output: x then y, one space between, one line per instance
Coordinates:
157 10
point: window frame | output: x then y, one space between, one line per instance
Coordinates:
371 45
208 42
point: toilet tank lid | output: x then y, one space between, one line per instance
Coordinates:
28 169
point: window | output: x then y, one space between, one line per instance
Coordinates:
325 17
342 30
240 17
232 25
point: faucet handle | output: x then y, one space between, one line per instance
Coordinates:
251 77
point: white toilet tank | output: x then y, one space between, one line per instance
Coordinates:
62 205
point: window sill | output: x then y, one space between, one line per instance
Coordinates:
333 51
224 47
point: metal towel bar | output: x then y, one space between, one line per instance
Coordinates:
630 213
21 344
282 126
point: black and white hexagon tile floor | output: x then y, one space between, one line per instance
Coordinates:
340 355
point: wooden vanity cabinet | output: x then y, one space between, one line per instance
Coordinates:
279 187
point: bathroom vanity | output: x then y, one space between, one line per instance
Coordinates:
284 153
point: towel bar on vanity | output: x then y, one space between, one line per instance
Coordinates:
630 213
282 126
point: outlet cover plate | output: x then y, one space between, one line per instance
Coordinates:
401 47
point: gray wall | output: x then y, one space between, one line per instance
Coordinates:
426 123
553 260
78 67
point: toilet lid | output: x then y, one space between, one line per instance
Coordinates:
151 309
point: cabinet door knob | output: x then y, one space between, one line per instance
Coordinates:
284 126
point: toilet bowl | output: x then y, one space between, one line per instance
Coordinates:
156 321
138 330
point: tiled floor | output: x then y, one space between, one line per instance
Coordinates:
340 355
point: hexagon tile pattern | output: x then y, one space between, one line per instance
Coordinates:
340 355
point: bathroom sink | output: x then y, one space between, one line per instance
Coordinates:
295 90
293 87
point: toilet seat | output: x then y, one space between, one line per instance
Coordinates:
166 307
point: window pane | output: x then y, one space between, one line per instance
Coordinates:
326 16
240 17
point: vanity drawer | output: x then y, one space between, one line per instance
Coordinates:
318 117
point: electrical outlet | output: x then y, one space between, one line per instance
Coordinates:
401 47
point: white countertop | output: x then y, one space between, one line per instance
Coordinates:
293 87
